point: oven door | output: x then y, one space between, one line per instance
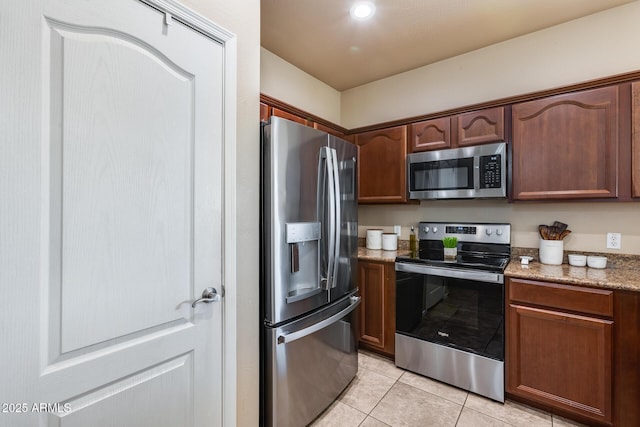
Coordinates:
460 309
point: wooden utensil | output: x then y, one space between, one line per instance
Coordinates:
542 230
564 234
561 226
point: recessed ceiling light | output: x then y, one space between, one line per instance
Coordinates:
362 10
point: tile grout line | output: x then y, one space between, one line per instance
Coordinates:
382 398
462 409
398 380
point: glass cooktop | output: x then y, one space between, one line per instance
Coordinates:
477 257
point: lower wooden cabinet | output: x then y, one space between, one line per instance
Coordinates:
377 320
559 348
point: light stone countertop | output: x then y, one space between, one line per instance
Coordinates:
380 255
622 272
617 275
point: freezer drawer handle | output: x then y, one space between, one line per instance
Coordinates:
283 339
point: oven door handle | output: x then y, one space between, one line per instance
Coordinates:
478 276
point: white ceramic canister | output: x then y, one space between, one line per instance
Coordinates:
389 241
551 251
374 238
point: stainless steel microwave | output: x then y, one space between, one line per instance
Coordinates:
459 173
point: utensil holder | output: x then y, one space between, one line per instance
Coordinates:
551 251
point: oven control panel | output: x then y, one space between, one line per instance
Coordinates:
466 232
460 229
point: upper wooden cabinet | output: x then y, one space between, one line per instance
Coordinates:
566 146
334 132
289 116
635 139
430 135
480 127
462 130
382 165
265 112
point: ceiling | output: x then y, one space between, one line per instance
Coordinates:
319 36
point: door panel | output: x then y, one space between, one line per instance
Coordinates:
304 375
127 214
138 396
293 182
347 274
126 194
566 146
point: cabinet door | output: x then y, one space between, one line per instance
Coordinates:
382 165
332 131
480 127
289 116
265 112
377 309
430 135
566 146
635 141
560 359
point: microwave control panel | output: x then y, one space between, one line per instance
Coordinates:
491 171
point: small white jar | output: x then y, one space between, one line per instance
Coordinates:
389 242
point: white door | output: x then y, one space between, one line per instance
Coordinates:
124 210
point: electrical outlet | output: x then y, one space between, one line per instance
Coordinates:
397 230
614 240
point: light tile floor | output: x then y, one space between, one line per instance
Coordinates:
383 395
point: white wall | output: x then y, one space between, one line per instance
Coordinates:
243 19
599 45
287 83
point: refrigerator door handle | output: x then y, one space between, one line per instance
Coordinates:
287 338
337 213
327 156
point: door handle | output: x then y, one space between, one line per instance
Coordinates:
208 295
284 339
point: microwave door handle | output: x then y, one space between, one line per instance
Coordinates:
476 172
337 216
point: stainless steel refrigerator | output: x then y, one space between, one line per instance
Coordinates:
309 229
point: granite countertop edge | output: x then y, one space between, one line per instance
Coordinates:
614 278
380 255
622 274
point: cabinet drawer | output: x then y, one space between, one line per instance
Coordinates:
566 297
